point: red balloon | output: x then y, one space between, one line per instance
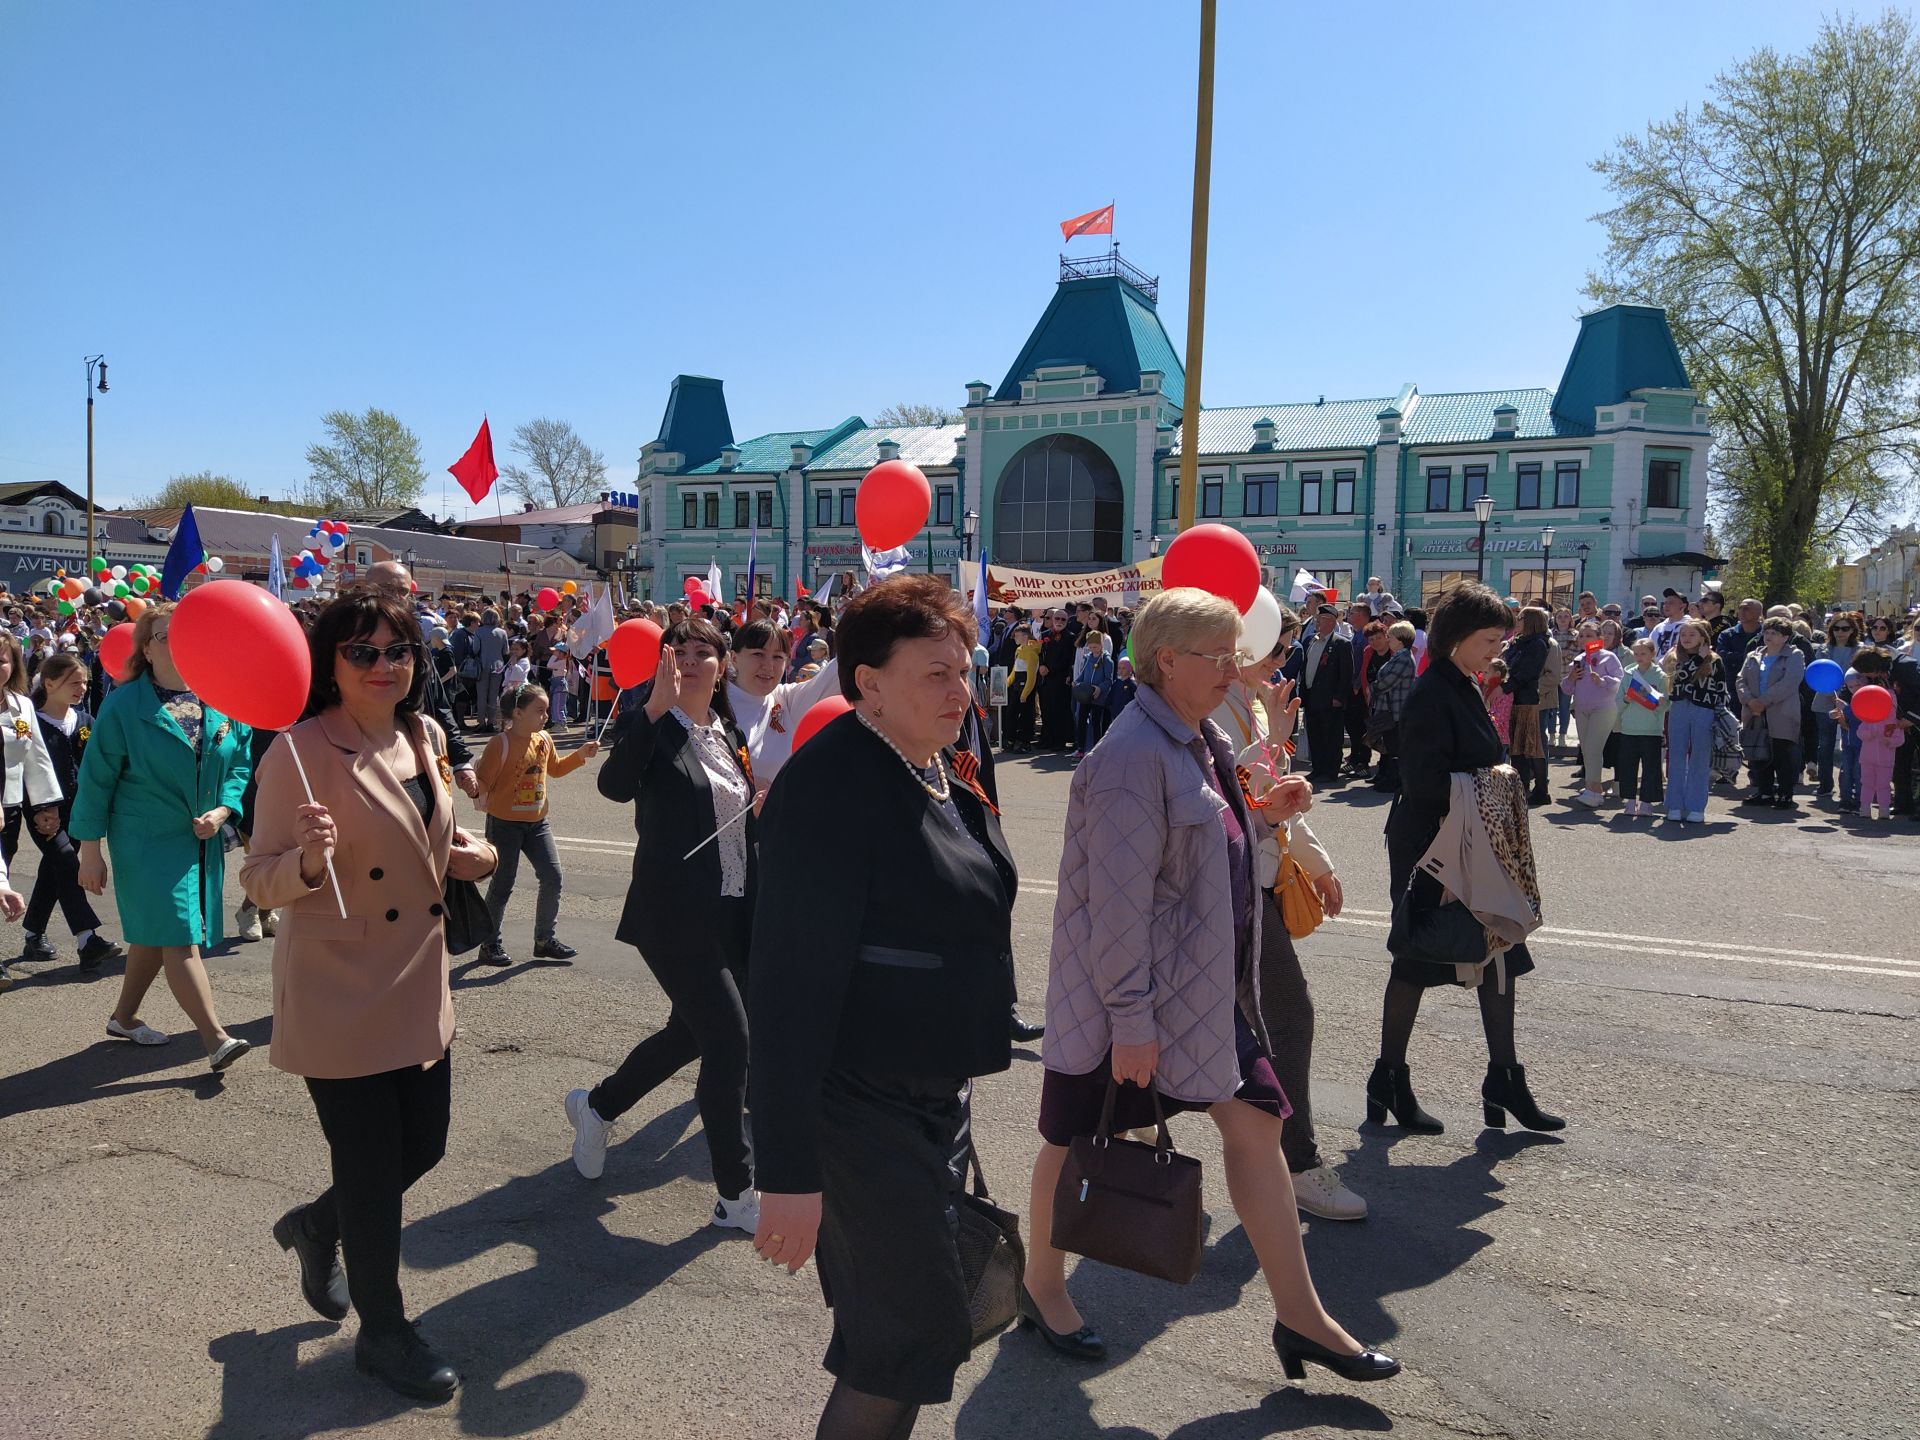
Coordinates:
116 649
892 504
547 598
242 652
1214 558
1872 704
694 585
633 652
818 716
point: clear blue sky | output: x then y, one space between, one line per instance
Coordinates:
262 212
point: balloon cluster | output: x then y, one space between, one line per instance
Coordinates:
325 540
122 590
697 595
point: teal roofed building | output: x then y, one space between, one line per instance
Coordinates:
1070 463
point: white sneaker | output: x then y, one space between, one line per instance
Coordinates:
139 1032
589 1135
269 920
247 921
1592 799
1319 1192
740 1214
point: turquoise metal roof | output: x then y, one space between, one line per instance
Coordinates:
1104 323
1467 415
919 445
696 423
1620 348
767 454
1332 425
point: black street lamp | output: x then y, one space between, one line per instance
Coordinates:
1583 549
970 527
1546 575
1483 512
1153 545
94 362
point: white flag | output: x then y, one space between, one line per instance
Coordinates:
596 626
825 592
882 563
714 581
1303 581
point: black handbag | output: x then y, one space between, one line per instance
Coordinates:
993 1262
1447 934
1128 1204
468 920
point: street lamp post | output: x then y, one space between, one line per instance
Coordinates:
94 362
970 527
1583 549
1546 573
1153 545
1483 512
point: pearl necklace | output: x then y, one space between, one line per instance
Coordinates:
940 795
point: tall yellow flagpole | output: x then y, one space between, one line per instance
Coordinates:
1197 271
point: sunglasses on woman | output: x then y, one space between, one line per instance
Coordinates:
361 656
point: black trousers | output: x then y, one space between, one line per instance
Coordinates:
1638 768
1019 716
58 882
1287 1010
1903 797
1775 769
1359 753
384 1131
704 975
1326 738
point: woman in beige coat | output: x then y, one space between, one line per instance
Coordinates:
361 1006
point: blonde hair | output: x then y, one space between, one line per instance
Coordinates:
152 614
1534 621
1671 662
1177 620
1403 631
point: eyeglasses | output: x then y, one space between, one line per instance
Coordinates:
1232 660
361 657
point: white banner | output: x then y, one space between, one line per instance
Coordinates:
1037 589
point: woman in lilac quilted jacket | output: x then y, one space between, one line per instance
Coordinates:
1153 979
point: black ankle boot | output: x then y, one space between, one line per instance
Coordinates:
406 1362
321 1280
1390 1087
1504 1089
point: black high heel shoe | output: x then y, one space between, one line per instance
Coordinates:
1504 1089
1083 1344
1390 1088
1294 1350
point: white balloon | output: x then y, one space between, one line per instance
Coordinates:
215 564
119 572
1260 631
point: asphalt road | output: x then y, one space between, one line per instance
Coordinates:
1722 1244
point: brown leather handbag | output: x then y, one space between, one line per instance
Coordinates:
1128 1204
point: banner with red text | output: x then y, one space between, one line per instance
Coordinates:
1037 589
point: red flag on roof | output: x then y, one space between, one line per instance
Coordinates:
475 470
1094 222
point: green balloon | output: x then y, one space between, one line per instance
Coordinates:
98 564
65 607
121 590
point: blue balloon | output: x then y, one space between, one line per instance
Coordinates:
980 657
1825 676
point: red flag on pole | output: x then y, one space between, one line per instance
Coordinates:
1094 222
475 470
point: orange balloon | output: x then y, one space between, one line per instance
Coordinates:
134 607
569 588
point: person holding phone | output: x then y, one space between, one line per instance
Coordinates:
1593 682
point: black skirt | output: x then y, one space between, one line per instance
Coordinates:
889 1262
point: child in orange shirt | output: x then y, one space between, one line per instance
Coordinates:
513 775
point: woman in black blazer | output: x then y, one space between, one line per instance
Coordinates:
679 757
880 986
65 724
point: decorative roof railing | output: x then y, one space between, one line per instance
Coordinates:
1100 267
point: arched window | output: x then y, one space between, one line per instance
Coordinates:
50 523
1060 502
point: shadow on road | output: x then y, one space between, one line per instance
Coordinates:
107 1069
577 1274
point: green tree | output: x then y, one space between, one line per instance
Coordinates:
215 492
910 413
1779 225
371 462
561 468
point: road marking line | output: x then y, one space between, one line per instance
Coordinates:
1560 939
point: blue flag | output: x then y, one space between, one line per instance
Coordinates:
183 555
276 568
982 616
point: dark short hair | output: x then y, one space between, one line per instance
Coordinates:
758 635
1463 609
354 616
1872 662
906 607
697 629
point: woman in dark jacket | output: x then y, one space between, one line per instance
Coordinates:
880 985
1445 728
680 759
1526 661
65 726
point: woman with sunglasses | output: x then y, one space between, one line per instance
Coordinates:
1843 643
161 777
361 1006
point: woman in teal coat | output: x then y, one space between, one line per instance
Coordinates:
162 775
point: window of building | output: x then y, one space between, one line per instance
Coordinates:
646 514
1340 582
742 506
1309 492
1173 493
1566 484
1663 484
710 515
1213 491
1343 492
846 506
1440 487
1524 586
1435 583
1059 501
764 509
690 520
1527 494
1263 495
943 505
50 523
823 507
1475 478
